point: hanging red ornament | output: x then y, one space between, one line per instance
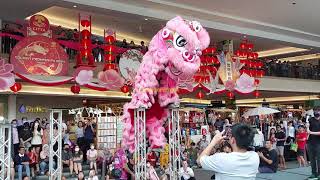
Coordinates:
238 53
85 23
85 43
85 34
16 87
110 48
110 39
109 57
230 94
212 50
250 46
85 52
75 89
109 66
255 55
125 89
200 95
256 93
256 82
243 45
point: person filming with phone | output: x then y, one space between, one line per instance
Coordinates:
240 164
313 143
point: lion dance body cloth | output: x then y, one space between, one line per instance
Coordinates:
173 55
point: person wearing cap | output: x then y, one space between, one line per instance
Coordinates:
313 143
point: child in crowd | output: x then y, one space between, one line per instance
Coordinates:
32 160
92 155
301 138
92 174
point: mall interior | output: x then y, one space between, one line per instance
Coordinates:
70 62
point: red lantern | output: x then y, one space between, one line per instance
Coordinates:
256 82
85 33
250 55
230 94
250 46
110 48
85 23
255 55
256 93
75 89
110 39
205 51
200 95
243 45
212 50
16 87
85 43
125 89
238 53
109 57
109 66
203 59
85 52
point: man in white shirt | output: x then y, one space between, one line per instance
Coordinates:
240 164
186 172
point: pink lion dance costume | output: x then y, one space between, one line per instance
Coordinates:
173 55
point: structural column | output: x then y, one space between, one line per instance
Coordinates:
12 107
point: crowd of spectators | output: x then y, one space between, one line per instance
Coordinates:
292 70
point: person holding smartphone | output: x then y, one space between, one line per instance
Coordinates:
313 143
237 165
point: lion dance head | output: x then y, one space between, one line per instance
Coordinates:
173 54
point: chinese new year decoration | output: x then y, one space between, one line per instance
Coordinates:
16 87
110 55
85 57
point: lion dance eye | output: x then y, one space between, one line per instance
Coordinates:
166 33
187 56
196 26
180 41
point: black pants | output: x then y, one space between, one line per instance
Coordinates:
16 149
191 178
314 155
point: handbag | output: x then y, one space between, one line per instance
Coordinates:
116 173
294 147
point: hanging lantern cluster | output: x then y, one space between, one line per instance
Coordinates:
209 62
85 57
110 48
252 65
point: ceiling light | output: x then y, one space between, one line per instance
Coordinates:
301 58
74 6
280 51
146 19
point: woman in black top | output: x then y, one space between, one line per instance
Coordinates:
26 135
